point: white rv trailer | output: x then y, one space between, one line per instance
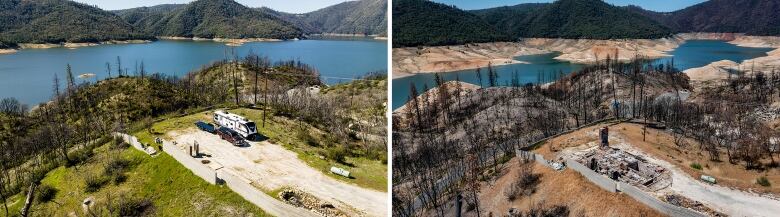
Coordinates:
243 126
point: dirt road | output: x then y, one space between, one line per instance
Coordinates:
726 200
274 167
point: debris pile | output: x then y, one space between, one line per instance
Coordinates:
625 167
681 201
301 199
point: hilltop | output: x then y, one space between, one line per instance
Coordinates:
574 19
363 17
210 19
58 21
217 18
426 23
68 150
147 16
753 17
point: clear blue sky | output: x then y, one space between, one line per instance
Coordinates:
655 5
291 6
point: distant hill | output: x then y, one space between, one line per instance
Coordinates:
209 19
367 17
147 16
422 22
591 19
754 17
56 21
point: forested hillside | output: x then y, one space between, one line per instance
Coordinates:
147 16
210 19
753 17
421 22
591 19
56 21
367 17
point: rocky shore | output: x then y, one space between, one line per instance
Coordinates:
719 70
78 45
410 60
227 41
70 45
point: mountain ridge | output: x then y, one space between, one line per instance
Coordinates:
211 19
58 21
426 23
573 19
753 17
362 17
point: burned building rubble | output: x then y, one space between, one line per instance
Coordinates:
625 167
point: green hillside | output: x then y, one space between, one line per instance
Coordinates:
754 17
352 17
147 16
591 19
421 22
55 21
210 19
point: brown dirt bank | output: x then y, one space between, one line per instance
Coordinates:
410 60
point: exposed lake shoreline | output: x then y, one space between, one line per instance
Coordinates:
70 45
227 41
412 60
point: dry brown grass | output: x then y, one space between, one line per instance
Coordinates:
567 188
660 144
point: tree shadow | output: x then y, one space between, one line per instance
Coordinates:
258 138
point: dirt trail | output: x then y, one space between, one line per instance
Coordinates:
274 167
729 201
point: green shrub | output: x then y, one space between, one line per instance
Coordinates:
338 154
119 143
306 137
79 156
763 181
696 166
45 193
93 183
135 207
115 169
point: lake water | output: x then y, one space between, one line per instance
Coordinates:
28 74
543 68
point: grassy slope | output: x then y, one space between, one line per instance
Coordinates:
280 130
174 190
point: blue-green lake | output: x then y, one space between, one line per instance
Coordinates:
28 74
543 68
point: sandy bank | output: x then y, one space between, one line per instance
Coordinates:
714 71
78 45
461 57
228 41
433 93
757 41
590 51
7 51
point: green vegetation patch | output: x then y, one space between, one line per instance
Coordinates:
696 166
153 184
763 181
